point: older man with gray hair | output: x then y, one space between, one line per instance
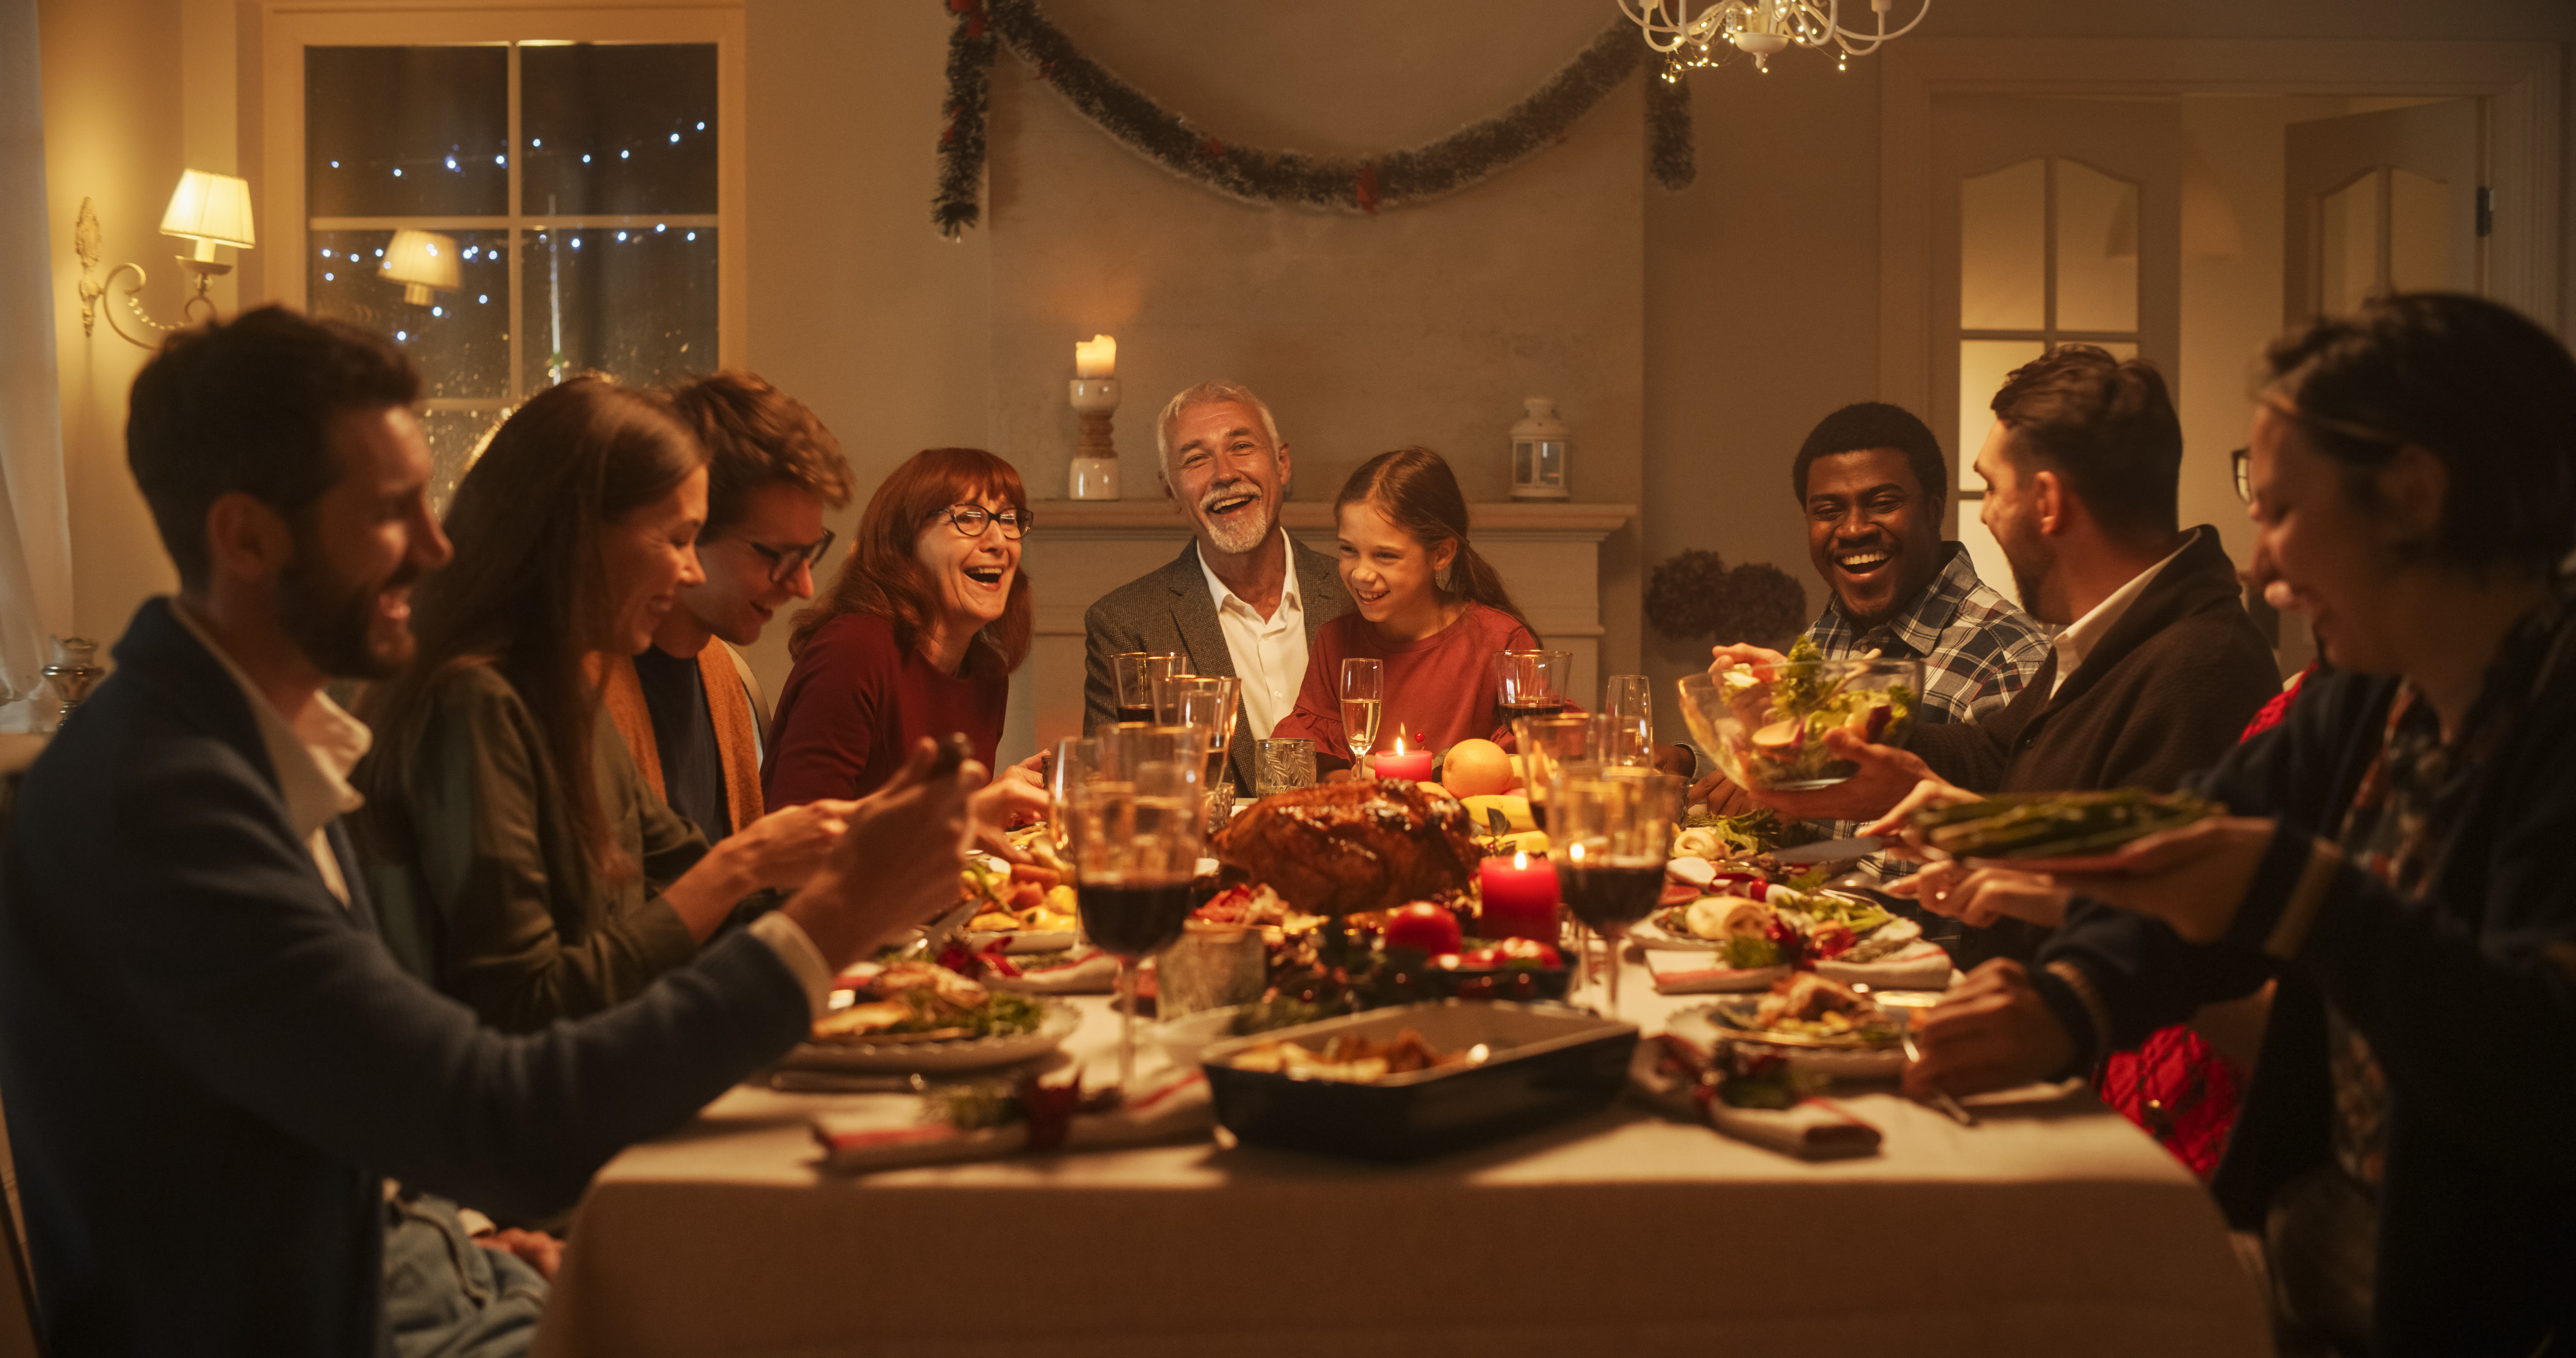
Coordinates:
1243 598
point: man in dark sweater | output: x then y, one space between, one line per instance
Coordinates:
2158 668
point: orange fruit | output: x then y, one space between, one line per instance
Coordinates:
1476 768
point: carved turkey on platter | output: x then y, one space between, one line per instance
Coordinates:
1345 848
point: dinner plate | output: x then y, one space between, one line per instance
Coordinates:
974 1053
1023 940
1709 1024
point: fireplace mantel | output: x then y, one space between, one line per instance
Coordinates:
1548 553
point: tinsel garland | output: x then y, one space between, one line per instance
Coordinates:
1363 184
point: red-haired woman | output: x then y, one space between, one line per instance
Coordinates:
1428 606
918 637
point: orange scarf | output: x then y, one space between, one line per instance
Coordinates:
737 733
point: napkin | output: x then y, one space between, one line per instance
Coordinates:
861 1142
1667 1073
1087 971
1919 965
1689 973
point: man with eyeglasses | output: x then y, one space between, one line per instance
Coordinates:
688 704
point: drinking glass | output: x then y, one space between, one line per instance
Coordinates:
1615 831
1282 766
1531 684
1628 701
1363 695
1137 831
1132 675
1546 744
1207 702
1077 761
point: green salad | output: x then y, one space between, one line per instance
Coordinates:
1786 717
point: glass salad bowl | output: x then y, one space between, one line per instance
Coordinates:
1765 724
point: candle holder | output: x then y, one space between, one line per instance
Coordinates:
71 676
1095 456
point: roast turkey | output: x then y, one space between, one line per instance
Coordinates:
1345 848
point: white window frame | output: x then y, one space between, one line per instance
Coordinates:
290 29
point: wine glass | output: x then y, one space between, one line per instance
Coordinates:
1132 676
1363 695
1614 830
1208 702
1137 830
1531 684
1627 702
1550 748
1077 761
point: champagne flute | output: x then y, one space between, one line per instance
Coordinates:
1077 761
1363 695
1615 830
1551 748
1132 676
1208 702
1136 839
1628 701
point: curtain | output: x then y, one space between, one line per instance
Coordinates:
35 524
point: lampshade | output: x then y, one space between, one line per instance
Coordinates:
212 210
420 261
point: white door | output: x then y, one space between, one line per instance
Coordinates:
2392 201
2054 221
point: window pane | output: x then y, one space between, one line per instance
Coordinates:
618 129
455 436
638 304
461 339
1983 365
2419 233
2003 233
406 131
2097 249
2349 258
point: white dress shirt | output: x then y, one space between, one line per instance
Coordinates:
1269 653
2081 636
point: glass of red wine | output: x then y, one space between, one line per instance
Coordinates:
1531 684
1613 832
1137 827
1132 675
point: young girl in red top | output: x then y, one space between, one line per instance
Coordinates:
1430 608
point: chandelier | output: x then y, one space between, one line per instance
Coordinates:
1759 29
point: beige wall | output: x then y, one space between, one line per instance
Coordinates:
1755 291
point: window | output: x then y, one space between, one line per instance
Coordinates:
587 184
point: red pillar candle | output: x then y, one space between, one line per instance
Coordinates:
1413 765
1520 898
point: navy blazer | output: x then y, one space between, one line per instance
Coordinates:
2466 993
209 1064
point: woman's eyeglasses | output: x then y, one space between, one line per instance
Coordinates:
971 520
783 561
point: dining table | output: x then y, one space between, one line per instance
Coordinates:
2052 1226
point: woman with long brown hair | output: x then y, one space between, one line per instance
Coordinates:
1432 609
516 858
918 637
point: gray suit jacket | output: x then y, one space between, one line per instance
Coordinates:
1170 610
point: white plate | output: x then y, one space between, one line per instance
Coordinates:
1700 1025
1698 872
1182 1039
965 1054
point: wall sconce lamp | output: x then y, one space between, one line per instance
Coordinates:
210 209
421 261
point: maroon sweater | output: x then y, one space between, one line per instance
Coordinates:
1441 687
856 704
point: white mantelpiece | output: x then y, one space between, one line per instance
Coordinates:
1549 556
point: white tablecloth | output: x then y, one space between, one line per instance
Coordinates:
2055 1230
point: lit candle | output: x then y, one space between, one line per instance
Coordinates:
1414 765
1095 357
1520 898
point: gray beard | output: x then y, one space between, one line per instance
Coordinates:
1235 539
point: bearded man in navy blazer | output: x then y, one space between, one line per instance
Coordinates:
210 1061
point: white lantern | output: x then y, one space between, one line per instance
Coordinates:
1540 450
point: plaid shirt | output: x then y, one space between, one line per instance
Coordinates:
1977 649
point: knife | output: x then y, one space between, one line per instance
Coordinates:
1831 850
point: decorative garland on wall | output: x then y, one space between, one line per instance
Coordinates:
1361 184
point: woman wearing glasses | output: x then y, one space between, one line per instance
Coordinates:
516 858
917 637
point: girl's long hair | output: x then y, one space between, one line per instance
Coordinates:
883 573
1418 493
527 593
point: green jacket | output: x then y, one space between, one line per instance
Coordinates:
474 866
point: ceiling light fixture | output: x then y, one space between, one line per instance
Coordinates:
1760 29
